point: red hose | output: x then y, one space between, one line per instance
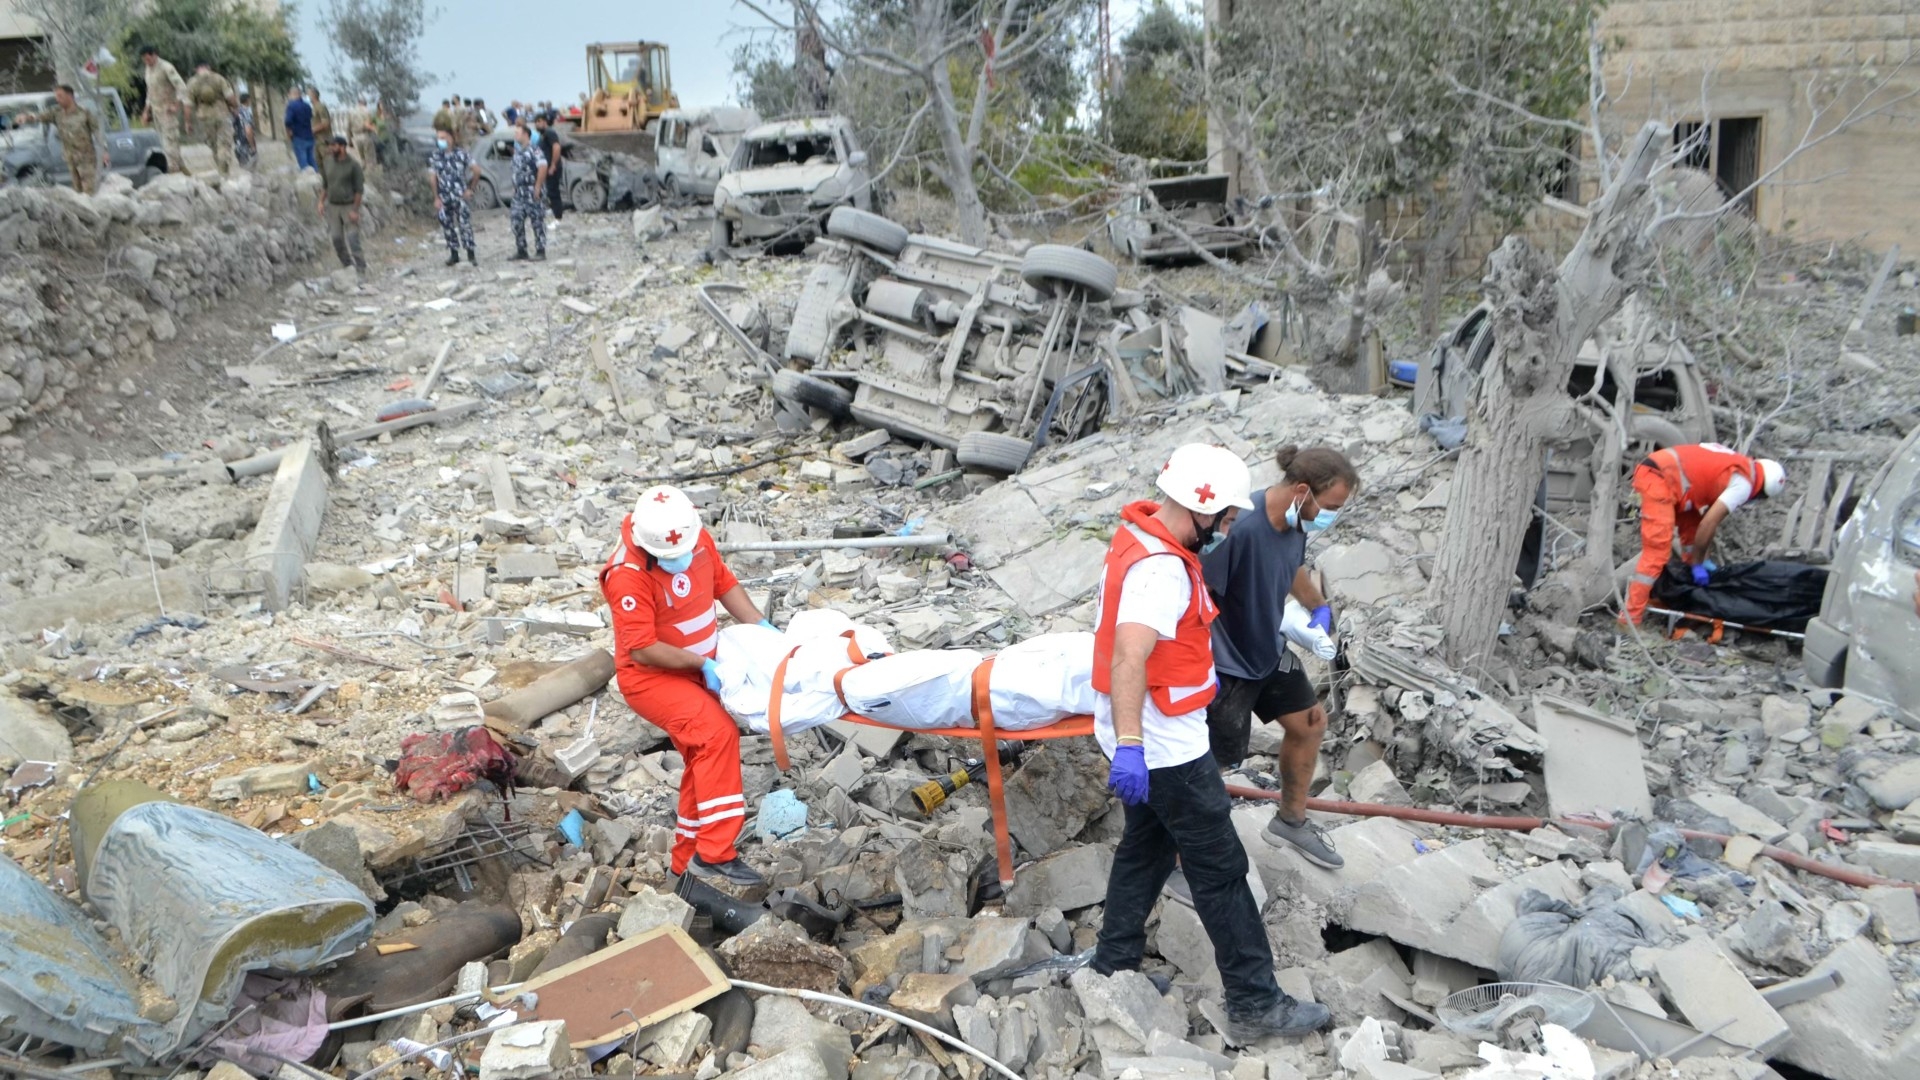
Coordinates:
1843 874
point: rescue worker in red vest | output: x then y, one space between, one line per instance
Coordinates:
662 582
1153 669
1692 488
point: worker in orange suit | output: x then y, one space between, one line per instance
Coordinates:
1692 488
662 582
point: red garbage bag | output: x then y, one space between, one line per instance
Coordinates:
441 764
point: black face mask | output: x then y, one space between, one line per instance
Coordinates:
1203 534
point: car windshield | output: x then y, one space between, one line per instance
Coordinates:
786 150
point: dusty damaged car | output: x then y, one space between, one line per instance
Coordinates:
590 180
30 153
1866 638
1147 227
1670 401
692 147
981 352
786 178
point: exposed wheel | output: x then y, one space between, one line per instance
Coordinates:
876 232
589 196
1048 266
993 451
484 196
722 233
805 390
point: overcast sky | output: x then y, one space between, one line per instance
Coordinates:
500 50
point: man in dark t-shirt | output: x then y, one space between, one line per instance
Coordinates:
1250 573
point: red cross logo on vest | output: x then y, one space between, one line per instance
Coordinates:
661 497
1205 491
673 537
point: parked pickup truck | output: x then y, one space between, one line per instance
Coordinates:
30 153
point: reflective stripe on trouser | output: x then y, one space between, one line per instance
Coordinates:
1659 516
456 223
712 806
526 208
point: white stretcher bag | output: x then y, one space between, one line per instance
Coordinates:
748 657
926 689
1042 680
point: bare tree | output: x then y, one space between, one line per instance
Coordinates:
988 39
75 30
1542 314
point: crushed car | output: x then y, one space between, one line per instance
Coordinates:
1148 227
786 178
1866 639
580 185
692 147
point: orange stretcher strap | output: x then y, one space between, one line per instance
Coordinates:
779 693
986 731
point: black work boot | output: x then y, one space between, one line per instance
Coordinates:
1287 1019
540 254
453 258
519 255
734 871
471 259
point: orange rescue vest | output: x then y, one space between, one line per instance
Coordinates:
1180 675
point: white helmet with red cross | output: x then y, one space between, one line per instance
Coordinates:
665 522
1206 479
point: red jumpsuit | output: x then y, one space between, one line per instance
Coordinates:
1676 486
651 605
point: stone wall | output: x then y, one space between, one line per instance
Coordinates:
86 278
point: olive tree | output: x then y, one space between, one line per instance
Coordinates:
73 31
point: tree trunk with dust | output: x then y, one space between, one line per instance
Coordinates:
959 150
1541 316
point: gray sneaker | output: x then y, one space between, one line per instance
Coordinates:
1288 1019
1178 889
1308 838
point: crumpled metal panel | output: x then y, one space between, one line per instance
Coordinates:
59 979
202 899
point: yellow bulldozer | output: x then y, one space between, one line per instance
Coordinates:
629 84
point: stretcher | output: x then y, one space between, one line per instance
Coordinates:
985 732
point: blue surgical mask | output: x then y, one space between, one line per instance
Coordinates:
533 138
1218 539
1320 522
442 143
678 564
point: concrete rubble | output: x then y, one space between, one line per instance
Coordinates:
257 639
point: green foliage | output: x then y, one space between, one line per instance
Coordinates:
1368 93
377 47
1151 114
234 37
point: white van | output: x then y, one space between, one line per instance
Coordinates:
691 147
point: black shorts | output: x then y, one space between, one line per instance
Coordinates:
1230 715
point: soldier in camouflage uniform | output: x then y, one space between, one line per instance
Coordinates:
166 102
79 137
454 172
213 105
529 180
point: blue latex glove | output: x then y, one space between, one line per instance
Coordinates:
1712 567
1322 619
768 623
1701 574
1127 777
710 671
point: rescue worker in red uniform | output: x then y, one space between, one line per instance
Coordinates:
1692 488
1153 670
662 582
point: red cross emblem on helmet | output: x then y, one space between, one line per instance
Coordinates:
673 537
1205 493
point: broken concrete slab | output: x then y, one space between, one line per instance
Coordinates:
930 998
1066 880
1059 787
1901 862
1845 1032
995 946
1128 1000
779 953
1370 846
28 734
1744 818
647 909
283 543
1181 939
526 1051
1363 571
1709 991
1895 787
782 1023
1896 913
1055 575
1354 982
1001 522
520 567
1592 761
182 590
799 1063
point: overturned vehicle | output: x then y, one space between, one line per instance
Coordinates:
988 354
